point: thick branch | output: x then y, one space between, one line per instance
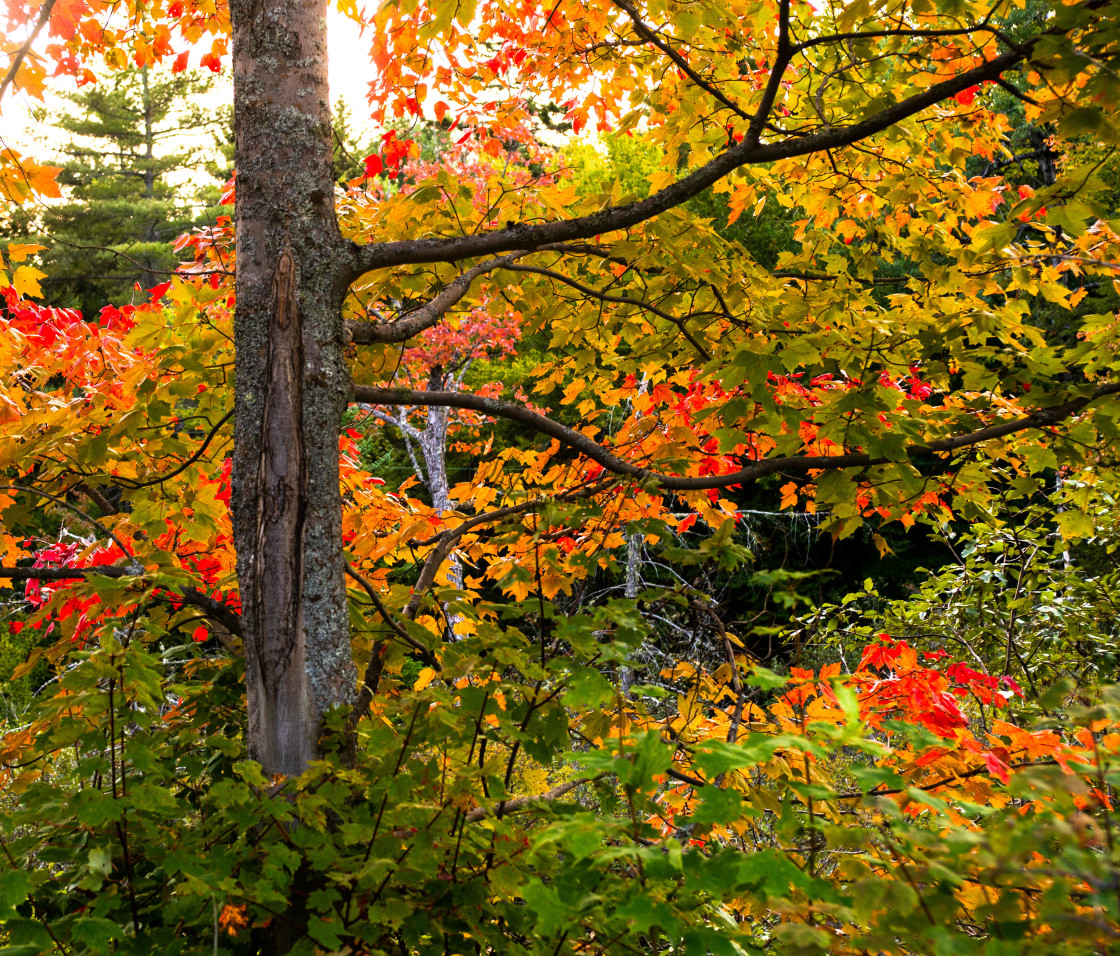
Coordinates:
777 71
524 236
215 610
522 803
414 322
65 574
218 612
107 507
1041 418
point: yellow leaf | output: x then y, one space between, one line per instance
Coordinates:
18 251
116 58
11 549
881 544
573 390
26 281
518 590
427 675
20 670
30 78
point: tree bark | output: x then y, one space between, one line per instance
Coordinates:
292 384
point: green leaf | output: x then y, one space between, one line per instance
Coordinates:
14 887
719 806
765 678
587 688
96 933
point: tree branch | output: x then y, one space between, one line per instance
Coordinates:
648 34
414 322
782 56
44 16
522 803
66 574
183 271
185 465
425 654
618 299
218 612
524 236
78 511
403 424
898 32
445 541
1040 418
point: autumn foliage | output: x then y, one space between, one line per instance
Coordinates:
528 763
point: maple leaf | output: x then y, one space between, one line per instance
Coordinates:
967 95
25 281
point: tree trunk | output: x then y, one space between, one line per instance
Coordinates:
292 385
149 137
633 582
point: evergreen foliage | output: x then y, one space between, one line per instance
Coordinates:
128 174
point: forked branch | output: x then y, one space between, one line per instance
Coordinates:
424 317
524 236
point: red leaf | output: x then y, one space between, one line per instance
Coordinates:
200 634
685 523
373 165
996 767
180 63
966 96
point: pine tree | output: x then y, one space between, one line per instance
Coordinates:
126 177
